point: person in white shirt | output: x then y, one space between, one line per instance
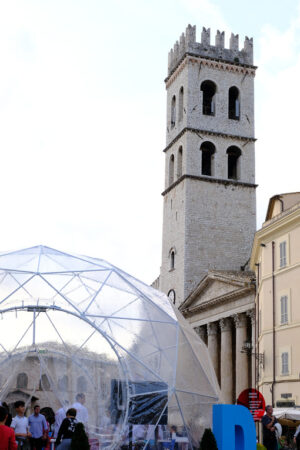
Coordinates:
21 426
60 415
82 413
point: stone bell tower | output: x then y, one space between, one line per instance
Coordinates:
209 215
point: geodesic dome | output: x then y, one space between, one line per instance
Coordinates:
73 325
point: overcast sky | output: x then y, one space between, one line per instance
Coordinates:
82 117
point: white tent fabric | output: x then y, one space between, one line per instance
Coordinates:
73 325
287 413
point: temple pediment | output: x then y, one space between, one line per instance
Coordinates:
216 287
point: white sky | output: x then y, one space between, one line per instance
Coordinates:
82 117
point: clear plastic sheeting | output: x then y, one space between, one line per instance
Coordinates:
76 330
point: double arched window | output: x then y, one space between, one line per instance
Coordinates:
233 162
180 107
209 90
234 103
207 151
173 111
175 167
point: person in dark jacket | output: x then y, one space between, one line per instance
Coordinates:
80 439
269 436
66 430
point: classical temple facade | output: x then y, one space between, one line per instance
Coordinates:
209 213
221 312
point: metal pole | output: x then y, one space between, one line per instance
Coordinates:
33 328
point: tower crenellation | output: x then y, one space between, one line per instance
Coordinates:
220 39
234 42
188 44
205 37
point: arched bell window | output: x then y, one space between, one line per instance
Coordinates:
234 103
233 162
179 162
207 151
173 111
209 90
171 169
180 106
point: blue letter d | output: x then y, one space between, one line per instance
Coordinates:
233 427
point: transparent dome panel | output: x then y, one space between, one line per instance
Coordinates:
76 330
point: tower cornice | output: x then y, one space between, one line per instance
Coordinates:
208 133
215 63
209 179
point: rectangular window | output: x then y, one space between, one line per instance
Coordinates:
282 249
284 363
284 309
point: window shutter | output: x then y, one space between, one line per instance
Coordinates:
284 309
284 363
282 249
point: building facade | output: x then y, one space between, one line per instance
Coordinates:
50 378
276 260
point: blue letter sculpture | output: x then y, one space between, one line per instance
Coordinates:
233 427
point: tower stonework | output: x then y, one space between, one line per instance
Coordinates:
209 216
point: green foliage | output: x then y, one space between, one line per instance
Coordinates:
208 441
80 440
260 447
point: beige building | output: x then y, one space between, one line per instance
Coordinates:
276 261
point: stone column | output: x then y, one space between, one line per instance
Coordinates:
212 344
251 314
201 331
241 358
226 360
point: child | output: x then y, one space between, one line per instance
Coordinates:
21 427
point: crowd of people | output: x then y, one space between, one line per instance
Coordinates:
34 432
272 439
68 428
